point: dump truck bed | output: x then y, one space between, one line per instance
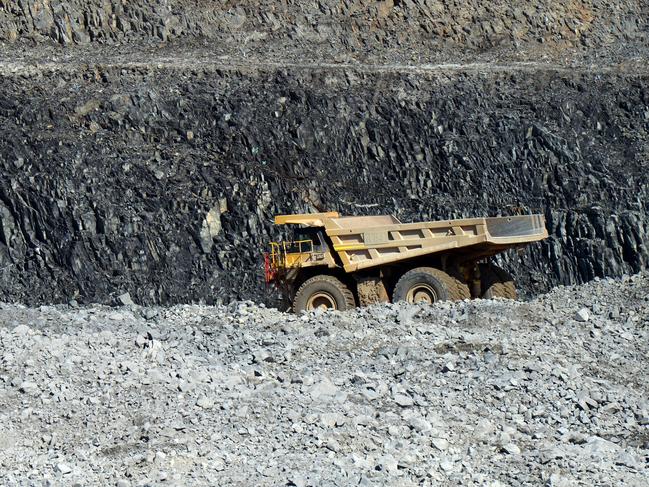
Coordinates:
368 241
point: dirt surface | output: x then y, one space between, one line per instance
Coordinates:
547 392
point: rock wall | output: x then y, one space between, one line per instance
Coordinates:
162 180
146 145
358 26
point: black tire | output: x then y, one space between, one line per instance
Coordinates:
430 285
323 291
496 283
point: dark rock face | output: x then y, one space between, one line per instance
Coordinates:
163 181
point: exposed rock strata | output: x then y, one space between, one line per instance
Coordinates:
121 152
361 26
109 173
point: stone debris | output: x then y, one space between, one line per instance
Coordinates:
22 330
28 387
514 394
403 400
512 449
440 443
125 299
582 315
205 402
63 469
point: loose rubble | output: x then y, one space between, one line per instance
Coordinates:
472 393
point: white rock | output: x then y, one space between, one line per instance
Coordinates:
125 299
30 388
22 330
447 465
388 463
440 443
448 367
511 448
403 400
205 402
323 390
583 315
599 447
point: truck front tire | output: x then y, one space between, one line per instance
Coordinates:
429 285
323 292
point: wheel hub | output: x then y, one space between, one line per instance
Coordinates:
421 293
321 300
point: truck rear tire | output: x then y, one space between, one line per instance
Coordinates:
496 283
429 285
323 292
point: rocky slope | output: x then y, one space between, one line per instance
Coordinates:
150 154
548 392
418 28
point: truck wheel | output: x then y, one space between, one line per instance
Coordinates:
496 283
429 285
323 292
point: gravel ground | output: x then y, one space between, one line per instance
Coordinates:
548 392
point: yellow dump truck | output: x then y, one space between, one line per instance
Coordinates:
340 262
